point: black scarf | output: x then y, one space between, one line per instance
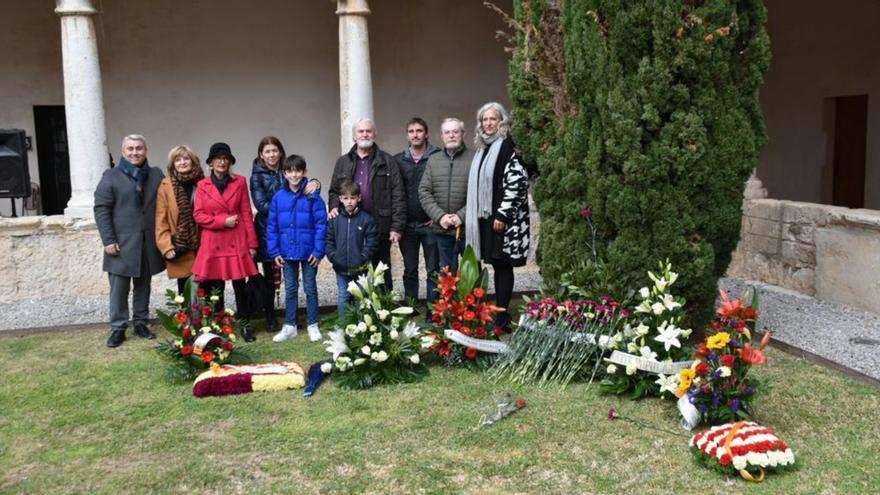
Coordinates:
138 174
220 184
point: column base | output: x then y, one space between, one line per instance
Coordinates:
79 212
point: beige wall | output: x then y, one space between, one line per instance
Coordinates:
196 72
820 50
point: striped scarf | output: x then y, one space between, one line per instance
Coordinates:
187 236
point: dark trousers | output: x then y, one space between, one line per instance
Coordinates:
120 286
449 249
269 271
383 254
503 290
415 236
181 285
242 307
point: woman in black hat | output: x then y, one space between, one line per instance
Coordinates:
228 240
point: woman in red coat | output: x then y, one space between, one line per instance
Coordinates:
229 242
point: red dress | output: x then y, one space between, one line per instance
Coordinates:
223 252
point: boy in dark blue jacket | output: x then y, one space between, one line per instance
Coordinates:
352 240
295 236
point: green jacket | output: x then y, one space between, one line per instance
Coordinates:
443 188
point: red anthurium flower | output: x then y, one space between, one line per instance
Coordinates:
728 359
470 353
207 356
479 292
752 356
181 317
186 350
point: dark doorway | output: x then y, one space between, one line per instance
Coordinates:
50 125
850 141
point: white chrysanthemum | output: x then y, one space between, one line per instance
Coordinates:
365 350
739 462
611 369
414 359
631 347
326 368
724 371
376 338
393 334
178 342
361 327
379 356
631 369
179 299
205 329
382 314
214 298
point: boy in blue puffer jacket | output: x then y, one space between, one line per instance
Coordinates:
352 240
295 236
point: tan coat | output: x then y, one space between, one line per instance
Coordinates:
166 225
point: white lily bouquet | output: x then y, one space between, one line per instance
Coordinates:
376 343
646 358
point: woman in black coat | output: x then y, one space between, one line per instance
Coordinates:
497 218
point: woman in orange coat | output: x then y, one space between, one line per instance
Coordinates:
177 235
228 241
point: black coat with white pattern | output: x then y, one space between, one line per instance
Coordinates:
510 204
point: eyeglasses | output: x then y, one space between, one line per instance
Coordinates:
220 158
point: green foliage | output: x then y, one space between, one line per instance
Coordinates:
655 126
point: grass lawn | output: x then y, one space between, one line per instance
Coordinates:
76 417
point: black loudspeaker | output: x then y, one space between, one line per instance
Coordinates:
15 178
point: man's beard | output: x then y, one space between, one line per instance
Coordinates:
453 146
364 143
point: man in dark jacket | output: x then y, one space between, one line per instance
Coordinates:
412 162
382 194
125 213
443 191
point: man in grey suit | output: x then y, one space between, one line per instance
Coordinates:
125 212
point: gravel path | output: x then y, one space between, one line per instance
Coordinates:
835 332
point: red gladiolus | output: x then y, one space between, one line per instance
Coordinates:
186 350
227 346
498 331
469 315
470 353
727 360
479 292
436 318
181 317
206 310
443 348
751 356
186 333
465 330
520 403
228 330
469 299
207 356
702 368
480 332
441 307
200 293
456 325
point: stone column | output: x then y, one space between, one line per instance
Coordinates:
83 104
355 83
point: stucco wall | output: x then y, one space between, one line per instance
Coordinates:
196 72
820 50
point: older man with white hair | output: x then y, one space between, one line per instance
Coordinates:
382 190
125 213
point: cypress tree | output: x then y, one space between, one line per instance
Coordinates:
647 112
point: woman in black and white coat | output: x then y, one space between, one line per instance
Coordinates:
497 217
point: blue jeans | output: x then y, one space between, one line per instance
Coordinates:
450 250
415 236
343 296
310 287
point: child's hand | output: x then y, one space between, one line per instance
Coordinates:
314 261
279 260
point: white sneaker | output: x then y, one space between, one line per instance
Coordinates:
315 333
287 332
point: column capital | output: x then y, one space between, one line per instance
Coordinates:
352 7
75 7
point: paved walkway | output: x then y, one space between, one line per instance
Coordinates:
833 332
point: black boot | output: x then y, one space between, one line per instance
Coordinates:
271 322
246 331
